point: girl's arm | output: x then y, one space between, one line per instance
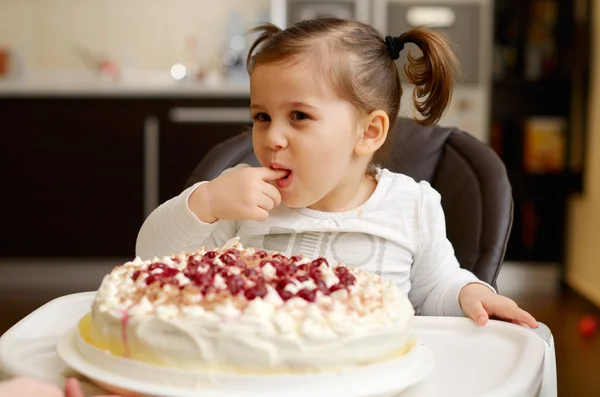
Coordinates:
173 228
436 276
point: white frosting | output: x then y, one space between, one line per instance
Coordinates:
268 271
346 328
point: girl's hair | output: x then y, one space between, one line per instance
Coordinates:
355 58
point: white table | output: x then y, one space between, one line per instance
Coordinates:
499 359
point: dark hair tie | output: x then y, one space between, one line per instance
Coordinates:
394 46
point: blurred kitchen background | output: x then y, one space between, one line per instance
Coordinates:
106 106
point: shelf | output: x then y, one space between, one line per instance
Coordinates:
540 199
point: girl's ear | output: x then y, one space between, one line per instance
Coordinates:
374 130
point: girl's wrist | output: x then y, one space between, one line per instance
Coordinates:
199 204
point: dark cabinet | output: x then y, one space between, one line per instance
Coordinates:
72 177
80 174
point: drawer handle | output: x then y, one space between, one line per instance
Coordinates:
151 164
210 115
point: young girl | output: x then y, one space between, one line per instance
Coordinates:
324 95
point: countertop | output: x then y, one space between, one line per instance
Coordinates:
154 85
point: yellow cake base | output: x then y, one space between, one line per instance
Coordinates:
117 349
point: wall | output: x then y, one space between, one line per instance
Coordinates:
583 252
148 34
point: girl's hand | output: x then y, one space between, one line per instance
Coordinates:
73 389
28 387
479 303
239 194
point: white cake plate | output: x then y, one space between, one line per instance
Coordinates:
500 359
153 380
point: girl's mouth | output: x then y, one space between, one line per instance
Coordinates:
284 182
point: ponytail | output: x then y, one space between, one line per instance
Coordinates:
432 73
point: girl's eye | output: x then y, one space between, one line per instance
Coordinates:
261 117
300 116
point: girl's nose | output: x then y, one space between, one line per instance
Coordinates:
276 139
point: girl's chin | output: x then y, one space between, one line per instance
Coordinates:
290 203
289 200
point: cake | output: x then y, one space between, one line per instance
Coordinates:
248 311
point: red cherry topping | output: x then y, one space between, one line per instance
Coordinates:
307 294
242 275
257 291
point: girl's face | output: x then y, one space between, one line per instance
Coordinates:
303 126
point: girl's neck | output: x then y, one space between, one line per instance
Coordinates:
350 195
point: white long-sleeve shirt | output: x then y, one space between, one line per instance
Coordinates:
398 233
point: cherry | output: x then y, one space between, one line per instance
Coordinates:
261 254
202 279
151 279
192 265
280 271
233 252
340 270
307 294
285 295
208 259
282 284
318 262
136 275
336 287
189 272
235 284
303 267
314 273
169 272
276 263
249 272
292 269
303 278
286 270
227 259
347 279
210 255
214 270
321 286
257 291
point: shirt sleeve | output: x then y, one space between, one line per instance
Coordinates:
436 276
173 228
